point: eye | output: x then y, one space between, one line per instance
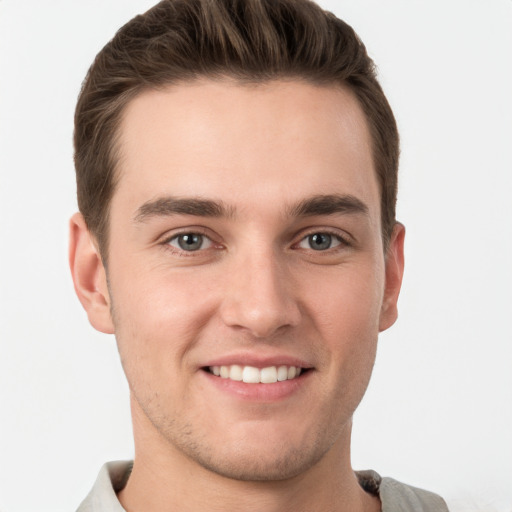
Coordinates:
320 241
190 242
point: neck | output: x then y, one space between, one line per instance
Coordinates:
164 479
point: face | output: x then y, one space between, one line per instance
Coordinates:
247 279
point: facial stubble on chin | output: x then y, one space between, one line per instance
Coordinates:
232 463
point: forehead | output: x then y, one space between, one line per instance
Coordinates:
250 145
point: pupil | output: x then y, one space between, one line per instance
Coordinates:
320 241
190 242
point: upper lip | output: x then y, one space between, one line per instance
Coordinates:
258 360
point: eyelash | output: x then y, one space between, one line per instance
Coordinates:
343 240
182 253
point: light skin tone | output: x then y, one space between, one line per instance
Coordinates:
245 230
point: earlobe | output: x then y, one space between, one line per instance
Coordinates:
89 276
394 266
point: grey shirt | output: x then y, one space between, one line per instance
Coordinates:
394 496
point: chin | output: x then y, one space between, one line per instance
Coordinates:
256 454
257 466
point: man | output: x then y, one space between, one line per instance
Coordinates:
236 169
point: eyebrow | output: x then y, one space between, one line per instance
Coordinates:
168 206
329 204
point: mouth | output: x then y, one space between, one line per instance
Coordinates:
254 375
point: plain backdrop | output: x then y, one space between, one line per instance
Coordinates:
438 413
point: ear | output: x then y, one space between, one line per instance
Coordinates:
394 267
89 276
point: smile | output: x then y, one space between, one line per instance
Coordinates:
253 375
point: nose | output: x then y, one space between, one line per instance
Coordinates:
259 297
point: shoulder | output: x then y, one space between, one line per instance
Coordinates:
396 496
111 479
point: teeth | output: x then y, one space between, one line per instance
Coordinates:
282 373
268 375
235 372
252 375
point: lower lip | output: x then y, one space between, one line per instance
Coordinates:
259 392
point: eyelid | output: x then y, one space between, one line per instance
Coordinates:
165 239
344 238
204 239
335 242
185 230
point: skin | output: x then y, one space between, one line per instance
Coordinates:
255 289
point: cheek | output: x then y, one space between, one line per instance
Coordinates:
346 302
346 316
155 299
161 313
350 334
157 320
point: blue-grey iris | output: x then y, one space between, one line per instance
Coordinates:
190 242
320 241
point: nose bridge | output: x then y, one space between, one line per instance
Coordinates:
259 295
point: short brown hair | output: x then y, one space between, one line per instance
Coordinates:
249 40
